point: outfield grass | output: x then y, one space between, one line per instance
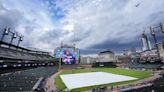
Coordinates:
133 73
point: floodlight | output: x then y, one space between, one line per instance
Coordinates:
6 31
21 38
15 35
152 31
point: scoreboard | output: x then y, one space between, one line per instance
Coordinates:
68 55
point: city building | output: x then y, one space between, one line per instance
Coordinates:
126 52
88 60
123 59
145 42
106 56
162 51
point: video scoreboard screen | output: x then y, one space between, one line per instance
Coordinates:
68 55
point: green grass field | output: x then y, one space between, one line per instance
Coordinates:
133 73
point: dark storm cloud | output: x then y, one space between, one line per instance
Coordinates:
119 47
51 36
115 46
79 36
89 51
93 25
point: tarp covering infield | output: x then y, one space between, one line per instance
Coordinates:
80 80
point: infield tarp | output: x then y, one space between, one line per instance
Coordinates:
80 80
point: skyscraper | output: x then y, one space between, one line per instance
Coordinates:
149 43
145 42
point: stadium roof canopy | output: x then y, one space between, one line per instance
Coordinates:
22 48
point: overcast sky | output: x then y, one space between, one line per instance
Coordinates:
93 25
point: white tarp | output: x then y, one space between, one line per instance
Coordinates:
80 80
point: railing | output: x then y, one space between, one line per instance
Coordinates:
36 86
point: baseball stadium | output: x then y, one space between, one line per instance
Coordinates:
81 46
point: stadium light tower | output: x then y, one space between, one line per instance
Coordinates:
14 36
5 32
20 39
155 40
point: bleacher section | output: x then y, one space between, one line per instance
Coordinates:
158 86
140 66
24 80
15 58
6 53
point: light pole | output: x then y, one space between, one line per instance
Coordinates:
14 36
155 40
5 32
20 39
154 36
